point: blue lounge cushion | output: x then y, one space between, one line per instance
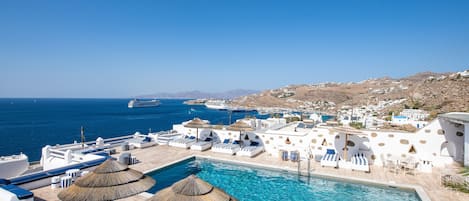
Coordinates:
208 139
192 137
4 181
294 156
226 141
19 192
147 139
330 151
254 144
236 142
102 154
285 155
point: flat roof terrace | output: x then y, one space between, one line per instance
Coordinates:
160 156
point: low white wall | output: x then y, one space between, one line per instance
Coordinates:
437 143
429 143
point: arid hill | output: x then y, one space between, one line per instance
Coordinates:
433 92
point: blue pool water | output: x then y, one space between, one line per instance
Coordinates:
26 125
256 184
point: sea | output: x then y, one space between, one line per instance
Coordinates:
27 125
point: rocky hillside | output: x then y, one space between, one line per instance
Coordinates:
434 92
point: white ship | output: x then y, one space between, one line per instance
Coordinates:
216 104
141 103
14 165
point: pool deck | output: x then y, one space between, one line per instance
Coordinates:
159 156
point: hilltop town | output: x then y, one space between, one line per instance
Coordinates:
428 93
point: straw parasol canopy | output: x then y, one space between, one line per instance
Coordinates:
192 189
348 131
240 126
197 123
109 181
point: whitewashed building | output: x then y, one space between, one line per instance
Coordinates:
415 114
441 142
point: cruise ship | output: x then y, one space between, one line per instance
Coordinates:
141 103
216 104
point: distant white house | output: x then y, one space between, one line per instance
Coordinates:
315 117
464 74
415 114
403 120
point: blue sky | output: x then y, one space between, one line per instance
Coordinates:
126 48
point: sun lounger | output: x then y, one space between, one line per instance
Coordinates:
252 150
220 145
185 143
227 148
330 159
360 162
202 145
142 143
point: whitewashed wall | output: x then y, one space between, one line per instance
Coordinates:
428 143
437 142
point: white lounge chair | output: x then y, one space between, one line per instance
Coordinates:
202 145
227 148
142 142
252 150
220 145
360 162
330 159
185 143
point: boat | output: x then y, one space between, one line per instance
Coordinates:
14 165
143 103
216 104
241 109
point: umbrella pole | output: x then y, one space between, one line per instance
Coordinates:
197 135
82 136
345 147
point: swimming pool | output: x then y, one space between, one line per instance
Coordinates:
254 184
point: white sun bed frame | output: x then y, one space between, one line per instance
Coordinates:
182 143
226 148
330 160
201 145
250 151
360 162
140 143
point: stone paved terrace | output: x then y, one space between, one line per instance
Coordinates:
159 156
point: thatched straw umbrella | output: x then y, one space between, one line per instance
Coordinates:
348 131
109 181
197 123
240 126
192 189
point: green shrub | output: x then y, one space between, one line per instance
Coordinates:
357 125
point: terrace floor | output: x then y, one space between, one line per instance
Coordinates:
159 156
